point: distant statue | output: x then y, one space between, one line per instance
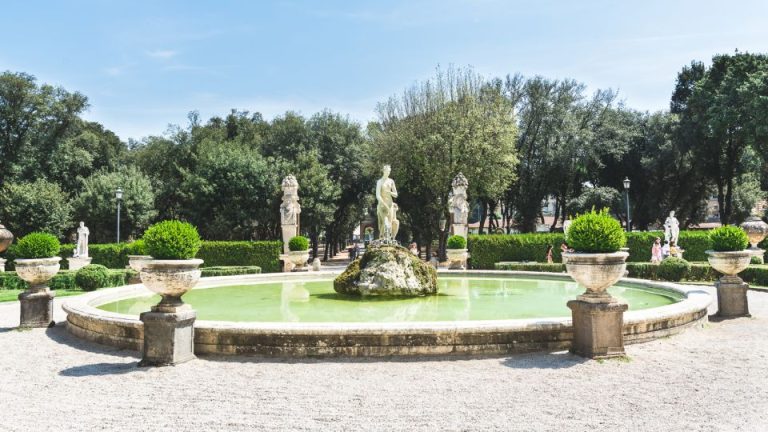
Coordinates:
81 251
290 208
671 228
458 199
386 210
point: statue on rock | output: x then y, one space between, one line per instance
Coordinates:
671 228
386 208
81 251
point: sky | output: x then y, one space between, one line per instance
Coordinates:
146 64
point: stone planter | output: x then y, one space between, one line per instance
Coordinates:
457 258
596 272
37 300
171 279
76 263
6 238
299 259
169 334
137 262
731 289
756 231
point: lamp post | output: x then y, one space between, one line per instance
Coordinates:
119 196
626 195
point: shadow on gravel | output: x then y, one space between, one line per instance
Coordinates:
60 335
99 369
7 329
559 360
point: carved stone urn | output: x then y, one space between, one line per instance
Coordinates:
37 300
731 289
730 263
299 259
457 258
171 279
137 262
596 272
6 238
756 231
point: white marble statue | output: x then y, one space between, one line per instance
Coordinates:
81 251
671 228
386 210
290 208
458 199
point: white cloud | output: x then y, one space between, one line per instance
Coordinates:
162 54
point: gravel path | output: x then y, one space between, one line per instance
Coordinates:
709 379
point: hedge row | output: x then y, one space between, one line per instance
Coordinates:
699 272
263 254
65 279
486 250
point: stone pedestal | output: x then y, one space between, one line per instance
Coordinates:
2 265
598 328
78 263
460 230
169 337
37 308
732 297
289 232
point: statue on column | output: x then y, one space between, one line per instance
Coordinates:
290 210
671 228
81 251
386 210
459 206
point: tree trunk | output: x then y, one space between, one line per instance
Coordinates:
483 215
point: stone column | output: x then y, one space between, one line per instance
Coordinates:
169 337
37 308
732 297
598 328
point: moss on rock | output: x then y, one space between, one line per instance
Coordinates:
387 271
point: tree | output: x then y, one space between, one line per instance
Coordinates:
36 206
724 110
96 204
597 198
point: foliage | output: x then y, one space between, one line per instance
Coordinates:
137 247
728 238
96 204
229 271
456 242
673 269
65 280
598 197
92 277
36 206
264 254
596 232
172 240
37 245
298 244
757 260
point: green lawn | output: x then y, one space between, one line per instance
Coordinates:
11 295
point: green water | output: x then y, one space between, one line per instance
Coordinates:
460 298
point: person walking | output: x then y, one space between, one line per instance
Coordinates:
656 255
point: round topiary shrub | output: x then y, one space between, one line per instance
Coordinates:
728 238
298 244
37 245
596 232
456 242
673 269
137 247
172 240
92 277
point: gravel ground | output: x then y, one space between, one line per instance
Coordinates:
709 379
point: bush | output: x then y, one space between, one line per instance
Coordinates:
456 242
756 259
65 279
172 240
37 245
728 238
673 269
137 247
486 250
264 254
92 277
596 232
230 271
298 244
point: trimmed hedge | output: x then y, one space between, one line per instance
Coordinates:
486 250
264 254
698 272
65 279
230 271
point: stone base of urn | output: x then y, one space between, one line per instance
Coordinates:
169 337
598 329
37 308
78 263
2 265
732 297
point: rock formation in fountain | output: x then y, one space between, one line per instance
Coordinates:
387 270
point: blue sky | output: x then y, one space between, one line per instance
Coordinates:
146 64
